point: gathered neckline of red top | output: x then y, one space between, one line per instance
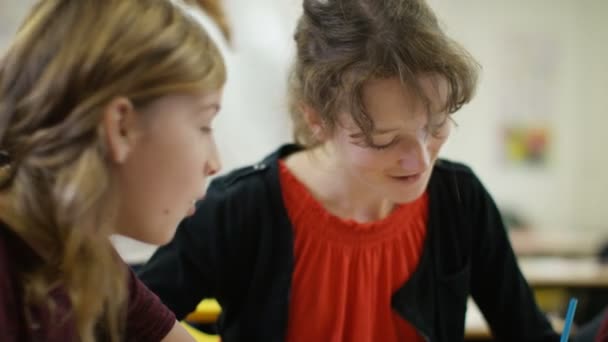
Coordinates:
340 228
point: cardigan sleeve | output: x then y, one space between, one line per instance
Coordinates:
497 284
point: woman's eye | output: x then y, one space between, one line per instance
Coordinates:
436 128
383 145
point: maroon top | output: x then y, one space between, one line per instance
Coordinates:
602 335
147 318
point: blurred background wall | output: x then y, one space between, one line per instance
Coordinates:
534 133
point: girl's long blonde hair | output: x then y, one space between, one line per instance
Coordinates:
67 61
215 10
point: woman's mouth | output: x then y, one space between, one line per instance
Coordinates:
408 179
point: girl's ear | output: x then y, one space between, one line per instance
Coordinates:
121 128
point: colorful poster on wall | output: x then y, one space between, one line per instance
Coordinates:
526 144
529 76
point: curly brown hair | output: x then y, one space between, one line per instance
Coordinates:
341 44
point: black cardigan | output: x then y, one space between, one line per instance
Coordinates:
238 248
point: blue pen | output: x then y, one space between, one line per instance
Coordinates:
569 319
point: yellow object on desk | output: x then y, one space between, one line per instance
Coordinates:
206 312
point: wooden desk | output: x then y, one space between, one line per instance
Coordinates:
556 275
564 273
559 243
476 327
540 272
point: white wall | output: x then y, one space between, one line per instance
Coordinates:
254 117
591 206
568 194
11 12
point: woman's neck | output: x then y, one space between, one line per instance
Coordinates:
335 188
